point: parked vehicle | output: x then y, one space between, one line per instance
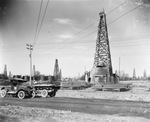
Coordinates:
45 90
17 88
20 88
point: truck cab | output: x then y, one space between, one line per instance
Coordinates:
17 88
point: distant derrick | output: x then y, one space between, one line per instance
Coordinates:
5 70
144 77
57 72
10 75
134 74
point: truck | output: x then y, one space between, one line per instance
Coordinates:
45 89
20 88
17 88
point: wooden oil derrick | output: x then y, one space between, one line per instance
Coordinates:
102 68
134 74
5 70
56 71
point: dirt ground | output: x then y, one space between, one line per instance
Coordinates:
139 92
26 114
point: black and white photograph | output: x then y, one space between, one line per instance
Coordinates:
74 61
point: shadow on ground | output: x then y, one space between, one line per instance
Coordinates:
4 118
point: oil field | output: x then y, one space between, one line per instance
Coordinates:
74 61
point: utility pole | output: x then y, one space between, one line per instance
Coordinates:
30 48
34 72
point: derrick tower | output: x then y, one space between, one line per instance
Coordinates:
134 74
102 59
5 70
56 71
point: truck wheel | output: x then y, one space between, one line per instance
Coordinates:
33 94
52 94
21 94
44 93
2 93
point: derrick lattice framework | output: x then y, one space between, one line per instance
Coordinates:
5 70
56 70
102 55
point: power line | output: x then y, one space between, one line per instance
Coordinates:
38 21
116 7
41 23
109 23
88 26
113 46
115 40
127 13
112 43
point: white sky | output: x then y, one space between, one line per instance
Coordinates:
129 36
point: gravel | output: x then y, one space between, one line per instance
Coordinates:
28 114
139 92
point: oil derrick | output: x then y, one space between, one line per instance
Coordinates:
134 74
144 75
56 71
102 68
10 75
5 70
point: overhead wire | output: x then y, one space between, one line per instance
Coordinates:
87 26
37 25
116 7
108 23
136 38
84 28
34 43
124 41
127 13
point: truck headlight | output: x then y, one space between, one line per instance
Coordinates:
15 88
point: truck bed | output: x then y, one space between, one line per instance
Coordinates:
46 86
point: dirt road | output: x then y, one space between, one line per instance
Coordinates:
91 106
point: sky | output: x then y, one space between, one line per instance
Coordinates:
64 31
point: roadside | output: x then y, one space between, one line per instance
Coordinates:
139 92
29 114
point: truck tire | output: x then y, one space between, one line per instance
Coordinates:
52 94
2 93
44 93
33 94
21 94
